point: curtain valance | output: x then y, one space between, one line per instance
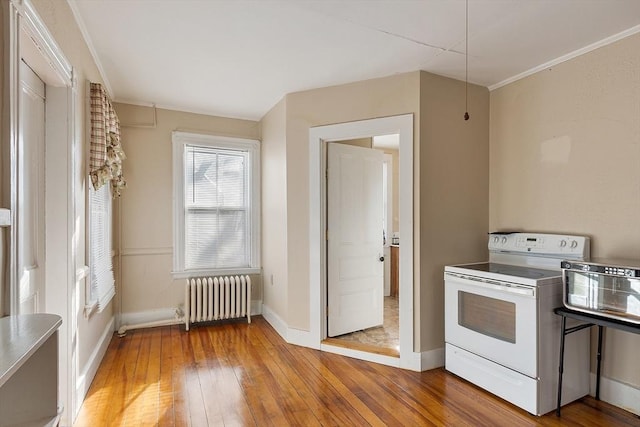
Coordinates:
105 152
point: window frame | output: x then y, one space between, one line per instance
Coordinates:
180 140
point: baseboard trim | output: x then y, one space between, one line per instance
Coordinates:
166 314
432 359
618 394
140 317
275 321
362 355
91 368
290 335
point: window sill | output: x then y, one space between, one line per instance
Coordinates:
219 272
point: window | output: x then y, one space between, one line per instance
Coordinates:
216 186
102 285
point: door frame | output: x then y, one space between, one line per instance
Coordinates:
318 139
26 36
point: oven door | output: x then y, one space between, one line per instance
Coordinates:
495 320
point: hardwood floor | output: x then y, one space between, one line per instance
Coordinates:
234 374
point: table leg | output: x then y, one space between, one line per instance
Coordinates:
599 359
561 364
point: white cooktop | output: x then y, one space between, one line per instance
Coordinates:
531 259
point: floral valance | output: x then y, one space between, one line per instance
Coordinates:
105 151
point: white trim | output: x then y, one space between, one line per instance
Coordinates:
604 42
302 338
617 393
432 359
133 320
177 275
290 335
45 42
138 317
82 272
93 363
318 136
60 169
275 321
89 42
362 355
252 147
166 250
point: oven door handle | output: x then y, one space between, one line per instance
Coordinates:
511 288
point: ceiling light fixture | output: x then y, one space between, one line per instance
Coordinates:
466 61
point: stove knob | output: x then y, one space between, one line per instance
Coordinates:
563 243
574 244
496 239
504 240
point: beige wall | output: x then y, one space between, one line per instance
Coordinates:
388 96
58 18
447 203
275 263
565 158
452 207
144 222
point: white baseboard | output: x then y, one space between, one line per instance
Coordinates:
275 321
290 335
618 394
161 314
432 359
362 355
415 362
139 317
89 372
302 338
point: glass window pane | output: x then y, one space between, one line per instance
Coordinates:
216 211
216 239
232 186
488 316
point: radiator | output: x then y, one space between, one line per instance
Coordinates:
217 298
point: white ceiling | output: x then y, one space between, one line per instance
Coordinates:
238 58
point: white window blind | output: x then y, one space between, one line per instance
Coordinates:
216 208
102 282
216 205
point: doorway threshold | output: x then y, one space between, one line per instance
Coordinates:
367 348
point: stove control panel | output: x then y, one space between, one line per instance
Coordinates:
560 245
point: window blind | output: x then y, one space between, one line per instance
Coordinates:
216 208
102 281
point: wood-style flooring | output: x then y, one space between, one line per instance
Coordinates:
234 374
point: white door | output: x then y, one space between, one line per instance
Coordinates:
354 248
30 212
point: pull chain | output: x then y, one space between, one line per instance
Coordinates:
466 62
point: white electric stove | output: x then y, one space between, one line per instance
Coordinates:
500 330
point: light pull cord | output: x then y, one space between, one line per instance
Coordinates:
466 62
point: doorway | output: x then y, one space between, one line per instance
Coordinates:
319 137
51 235
362 291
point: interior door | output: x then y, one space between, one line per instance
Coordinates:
30 211
354 247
